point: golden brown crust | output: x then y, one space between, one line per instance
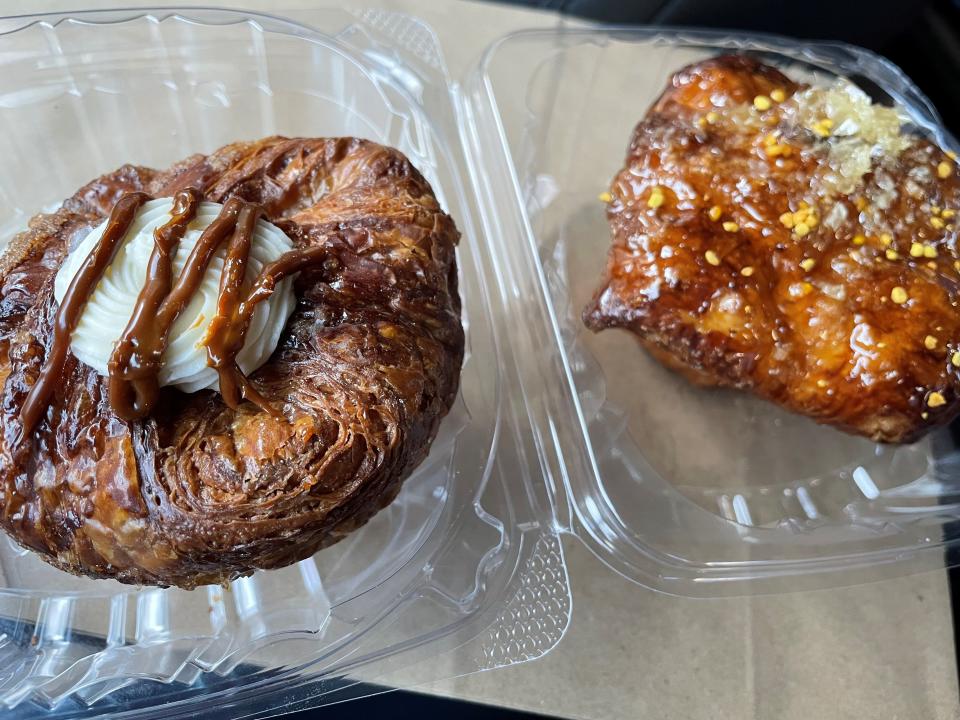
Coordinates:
812 319
368 365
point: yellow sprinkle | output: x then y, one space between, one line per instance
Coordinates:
801 229
891 254
730 226
859 239
822 127
956 265
899 295
712 258
778 95
935 399
930 342
787 219
951 154
948 213
770 139
747 271
821 383
932 265
929 251
761 102
656 198
701 122
916 250
937 223
604 197
712 117
861 203
885 240
955 359
944 170
807 288
777 150
715 212
807 264
935 209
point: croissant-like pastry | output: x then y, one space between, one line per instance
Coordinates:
794 242
197 492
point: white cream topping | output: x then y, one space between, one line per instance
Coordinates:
184 364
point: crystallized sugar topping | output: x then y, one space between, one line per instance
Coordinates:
855 131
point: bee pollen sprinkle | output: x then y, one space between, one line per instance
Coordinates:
936 399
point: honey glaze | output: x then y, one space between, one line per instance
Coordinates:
796 242
136 359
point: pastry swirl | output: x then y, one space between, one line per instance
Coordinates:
197 492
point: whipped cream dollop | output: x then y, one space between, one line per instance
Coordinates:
184 363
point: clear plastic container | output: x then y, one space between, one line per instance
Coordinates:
690 491
556 430
465 559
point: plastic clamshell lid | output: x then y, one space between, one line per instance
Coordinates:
689 491
463 569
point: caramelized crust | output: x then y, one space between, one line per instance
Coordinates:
368 365
749 252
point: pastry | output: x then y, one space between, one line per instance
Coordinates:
226 365
793 241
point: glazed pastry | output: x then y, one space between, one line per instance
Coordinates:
227 365
791 241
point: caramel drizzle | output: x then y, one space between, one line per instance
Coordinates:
136 359
228 330
75 299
